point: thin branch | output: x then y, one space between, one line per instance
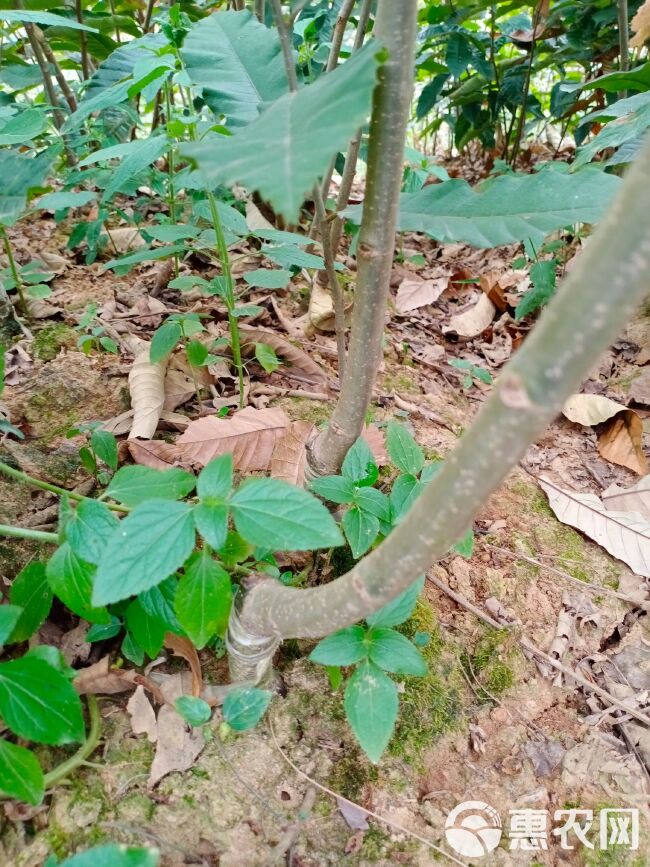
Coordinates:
58 72
83 42
332 278
623 40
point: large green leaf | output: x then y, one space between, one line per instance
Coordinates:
282 154
89 530
400 609
142 154
20 773
39 703
344 647
149 545
31 592
237 62
617 132
23 127
274 514
135 484
47 18
71 579
371 708
120 64
203 599
392 651
114 855
20 173
616 82
511 208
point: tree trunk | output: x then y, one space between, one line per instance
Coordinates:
595 301
395 31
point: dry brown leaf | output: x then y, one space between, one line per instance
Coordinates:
101 679
634 499
255 218
621 442
54 262
640 26
299 365
494 286
179 385
147 387
183 647
413 293
289 453
376 439
625 535
320 314
474 321
590 409
143 716
179 745
123 240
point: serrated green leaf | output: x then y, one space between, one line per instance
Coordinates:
296 152
393 652
114 855
71 579
237 62
89 529
405 491
164 340
148 631
268 278
38 703
194 710
158 602
104 444
403 450
345 647
124 263
31 592
373 502
290 256
357 461
196 353
149 545
147 151
266 356
21 776
9 617
134 485
400 609
244 707
203 599
211 520
23 127
279 516
104 631
336 489
371 705
215 479
361 529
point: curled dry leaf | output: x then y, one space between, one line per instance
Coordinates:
321 308
621 440
289 453
298 364
255 218
179 384
590 409
474 321
250 436
178 745
183 647
101 679
634 499
143 716
625 535
413 293
147 387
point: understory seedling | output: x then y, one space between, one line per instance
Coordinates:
472 372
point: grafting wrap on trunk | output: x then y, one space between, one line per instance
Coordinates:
610 278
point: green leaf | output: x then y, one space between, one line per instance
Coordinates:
405 491
235 550
543 278
149 545
393 652
148 631
21 776
132 650
296 150
23 127
196 353
39 703
215 479
336 489
277 515
20 173
616 82
345 647
614 134
168 233
371 704
361 529
194 710
509 208
244 707
71 579
158 602
268 278
357 461
134 485
103 631
373 502
290 256
164 340
47 18
403 450
203 599
465 546
90 529
400 609
9 617
266 356
211 520
31 592
147 151
114 855
124 263
104 444
238 64
61 201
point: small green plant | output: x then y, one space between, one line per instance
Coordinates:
93 333
99 457
472 372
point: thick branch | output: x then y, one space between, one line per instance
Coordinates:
395 30
598 297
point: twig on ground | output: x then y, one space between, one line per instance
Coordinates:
290 835
422 411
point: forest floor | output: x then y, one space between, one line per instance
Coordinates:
489 723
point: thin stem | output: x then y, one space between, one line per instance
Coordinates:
260 10
332 277
284 32
59 118
524 102
18 283
148 16
83 42
171 199
396 27
20 476
623 40
118 35
28 533
595 301
86 749
58 72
